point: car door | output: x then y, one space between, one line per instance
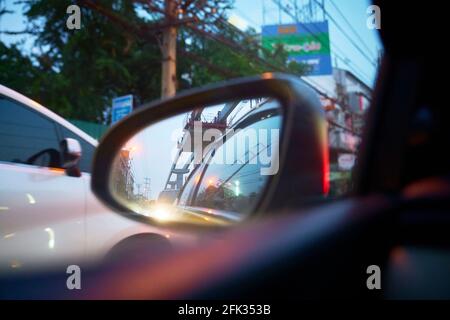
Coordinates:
41 208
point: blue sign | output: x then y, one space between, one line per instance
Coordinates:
121 107
307 43
320 64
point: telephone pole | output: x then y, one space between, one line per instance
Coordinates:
147 182
169 51
175 14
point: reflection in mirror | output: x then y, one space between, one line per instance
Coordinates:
208 166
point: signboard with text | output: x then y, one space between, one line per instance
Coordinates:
121 107
305 43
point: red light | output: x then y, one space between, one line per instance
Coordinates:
361 103
326 168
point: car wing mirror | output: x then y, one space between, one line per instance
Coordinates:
70 156
216 156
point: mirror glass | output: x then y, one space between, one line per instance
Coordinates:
209 166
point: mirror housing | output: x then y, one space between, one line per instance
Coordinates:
70 156
303 149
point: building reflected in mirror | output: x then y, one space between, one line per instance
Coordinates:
210 161
122 176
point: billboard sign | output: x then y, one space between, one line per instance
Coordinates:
121 107
305 43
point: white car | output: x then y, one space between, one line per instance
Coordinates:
48 213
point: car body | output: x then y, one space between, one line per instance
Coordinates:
46 215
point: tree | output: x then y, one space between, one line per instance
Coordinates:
16 70
92 65
117 51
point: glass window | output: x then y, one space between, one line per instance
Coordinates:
235 187
188 189
26 136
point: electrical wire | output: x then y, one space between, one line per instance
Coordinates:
313 34
345 33
351 27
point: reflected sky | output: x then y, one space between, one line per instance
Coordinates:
153 150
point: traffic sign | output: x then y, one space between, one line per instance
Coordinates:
121 107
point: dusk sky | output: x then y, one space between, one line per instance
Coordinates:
350 15
250 13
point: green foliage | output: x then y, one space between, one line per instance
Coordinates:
16 70
77 72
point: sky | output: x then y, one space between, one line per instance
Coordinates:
153 149
250 13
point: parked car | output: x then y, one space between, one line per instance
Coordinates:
47 211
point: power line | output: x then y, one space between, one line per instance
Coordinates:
351 27
237 48
310 83
363 76
339 53
245 17
143 34
309 31
345 34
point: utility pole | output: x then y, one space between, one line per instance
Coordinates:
169 51
264 12
138 185
279 13
147 182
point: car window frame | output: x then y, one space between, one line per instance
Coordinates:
244 123
201 171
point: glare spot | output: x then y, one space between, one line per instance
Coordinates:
51 237
161 214
31 199
267 75
238 22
